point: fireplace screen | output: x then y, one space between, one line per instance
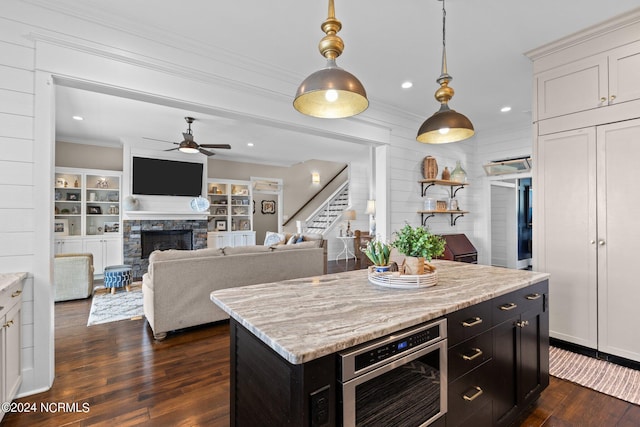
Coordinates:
165 239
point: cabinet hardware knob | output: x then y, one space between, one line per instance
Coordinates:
613 97
476 353
603 99
533 296
478 392
522 323
16 293
593 242
601 242
509 306
472 322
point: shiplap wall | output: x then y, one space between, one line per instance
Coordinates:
17 199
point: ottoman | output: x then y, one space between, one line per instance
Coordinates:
117 276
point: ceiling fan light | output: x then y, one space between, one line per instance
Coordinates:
445 126
189 150
331 93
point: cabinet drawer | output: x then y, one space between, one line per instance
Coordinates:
469 396
10 296
514 303
470 354
468 322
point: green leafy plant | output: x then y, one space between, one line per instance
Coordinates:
418 242
378 252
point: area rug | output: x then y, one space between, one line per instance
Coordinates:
122 305
599 375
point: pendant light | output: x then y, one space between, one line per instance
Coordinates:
331 92
446 125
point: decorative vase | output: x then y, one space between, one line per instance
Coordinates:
458 174
429 167
130 203
381 268
413 265
446 175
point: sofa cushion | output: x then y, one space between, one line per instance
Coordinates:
293 239
229 250
302 245
272 238
172 254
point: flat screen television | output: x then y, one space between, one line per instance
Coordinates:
166 177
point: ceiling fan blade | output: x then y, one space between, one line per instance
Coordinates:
173 149
226 146
161 140
206 152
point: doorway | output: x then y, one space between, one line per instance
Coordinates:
511 222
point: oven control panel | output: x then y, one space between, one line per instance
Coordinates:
374 353
385 351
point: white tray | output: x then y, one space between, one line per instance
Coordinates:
403 281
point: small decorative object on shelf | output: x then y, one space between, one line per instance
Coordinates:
102 183
458 174
418 245
446 175
199 204
430 167
130 203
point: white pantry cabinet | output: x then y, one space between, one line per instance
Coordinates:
600 80
586 207
10 341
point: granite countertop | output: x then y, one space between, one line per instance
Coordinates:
8 279
304 319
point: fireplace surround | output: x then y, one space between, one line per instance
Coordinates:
132 231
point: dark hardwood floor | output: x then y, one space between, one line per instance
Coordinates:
127 379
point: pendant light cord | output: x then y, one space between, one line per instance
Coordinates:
444 74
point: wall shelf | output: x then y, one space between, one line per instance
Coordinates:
431 182
425 215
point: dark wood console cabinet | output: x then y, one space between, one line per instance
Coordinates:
498 358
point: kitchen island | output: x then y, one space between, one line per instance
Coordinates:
286 336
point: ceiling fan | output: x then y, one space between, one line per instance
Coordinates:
188 145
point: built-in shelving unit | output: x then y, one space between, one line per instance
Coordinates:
455 186
230 213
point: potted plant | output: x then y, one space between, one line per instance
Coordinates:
378 253
418 245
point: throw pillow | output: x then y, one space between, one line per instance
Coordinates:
300 239
273 238
293 239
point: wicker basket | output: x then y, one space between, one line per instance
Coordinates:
402 281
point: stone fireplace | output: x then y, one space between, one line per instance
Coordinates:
162 235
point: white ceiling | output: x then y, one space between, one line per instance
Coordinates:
386 43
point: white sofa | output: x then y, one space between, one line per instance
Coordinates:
177 285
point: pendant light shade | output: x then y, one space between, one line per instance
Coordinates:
331 92
446 125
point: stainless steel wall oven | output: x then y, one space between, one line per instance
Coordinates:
397 380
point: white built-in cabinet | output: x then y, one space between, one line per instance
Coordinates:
231 213
600 80
586 208
10 342
87 215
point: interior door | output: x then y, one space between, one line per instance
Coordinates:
565 228
618 236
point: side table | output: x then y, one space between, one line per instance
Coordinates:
346 250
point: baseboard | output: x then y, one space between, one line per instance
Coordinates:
591 352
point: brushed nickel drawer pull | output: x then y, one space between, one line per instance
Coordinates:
507 307
476 353
478 393
16 293
522 323
472 322
533 296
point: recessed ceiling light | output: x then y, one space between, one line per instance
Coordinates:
406 85
505 109
78 118
249 144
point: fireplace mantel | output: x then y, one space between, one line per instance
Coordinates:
151 215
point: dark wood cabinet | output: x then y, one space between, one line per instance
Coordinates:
511 363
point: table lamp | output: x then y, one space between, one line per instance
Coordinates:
349 215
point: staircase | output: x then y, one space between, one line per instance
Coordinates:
327 215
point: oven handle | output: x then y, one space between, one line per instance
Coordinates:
349 387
